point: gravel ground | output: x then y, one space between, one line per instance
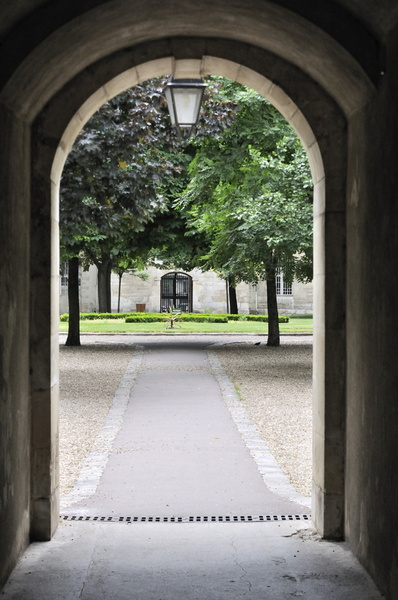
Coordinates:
89 377
273 383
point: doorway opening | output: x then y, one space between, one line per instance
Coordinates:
176 292
328 447
176 286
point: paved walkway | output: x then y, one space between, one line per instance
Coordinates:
186 489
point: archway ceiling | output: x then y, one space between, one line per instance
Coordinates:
378 16
76 37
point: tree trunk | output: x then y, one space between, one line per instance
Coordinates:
104 286
227 296
233 302
119 291
73 338
273 317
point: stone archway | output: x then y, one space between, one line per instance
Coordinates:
322 130
56 61
335 60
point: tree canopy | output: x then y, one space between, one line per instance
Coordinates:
250 195
110 184
125 169
236 198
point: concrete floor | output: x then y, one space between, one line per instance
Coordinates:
178 452
204 561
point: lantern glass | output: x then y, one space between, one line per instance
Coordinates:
184 97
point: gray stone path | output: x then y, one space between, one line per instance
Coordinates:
178 451
176 427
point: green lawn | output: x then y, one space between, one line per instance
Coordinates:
295 325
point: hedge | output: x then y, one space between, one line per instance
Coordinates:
182 318
261 318
264 318
134 317
108 316
145 318
196 318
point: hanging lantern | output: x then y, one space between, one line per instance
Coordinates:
184 98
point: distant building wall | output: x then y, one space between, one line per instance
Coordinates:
209 293
298 302
88 291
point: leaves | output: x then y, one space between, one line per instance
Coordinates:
250 194
109 188
236 198
125 169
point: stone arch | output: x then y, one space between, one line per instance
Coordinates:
328 509
180 68
315 107
65 41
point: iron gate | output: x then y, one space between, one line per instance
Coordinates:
176 292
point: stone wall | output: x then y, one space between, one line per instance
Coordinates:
15 426
299 303
208 291
372 373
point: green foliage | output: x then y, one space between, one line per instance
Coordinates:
196 318
109 188
103 316
250 195
244 205
145 318
264 318
183 317
256 318
125 169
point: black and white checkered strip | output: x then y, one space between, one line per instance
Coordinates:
197 519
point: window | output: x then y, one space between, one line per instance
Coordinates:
64 277
283 287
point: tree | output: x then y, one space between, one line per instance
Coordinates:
126 167
250 194
73 338
109 184
128 265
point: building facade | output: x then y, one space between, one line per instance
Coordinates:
195 291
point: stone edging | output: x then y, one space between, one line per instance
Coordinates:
272 474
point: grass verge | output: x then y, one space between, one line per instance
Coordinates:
295 325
